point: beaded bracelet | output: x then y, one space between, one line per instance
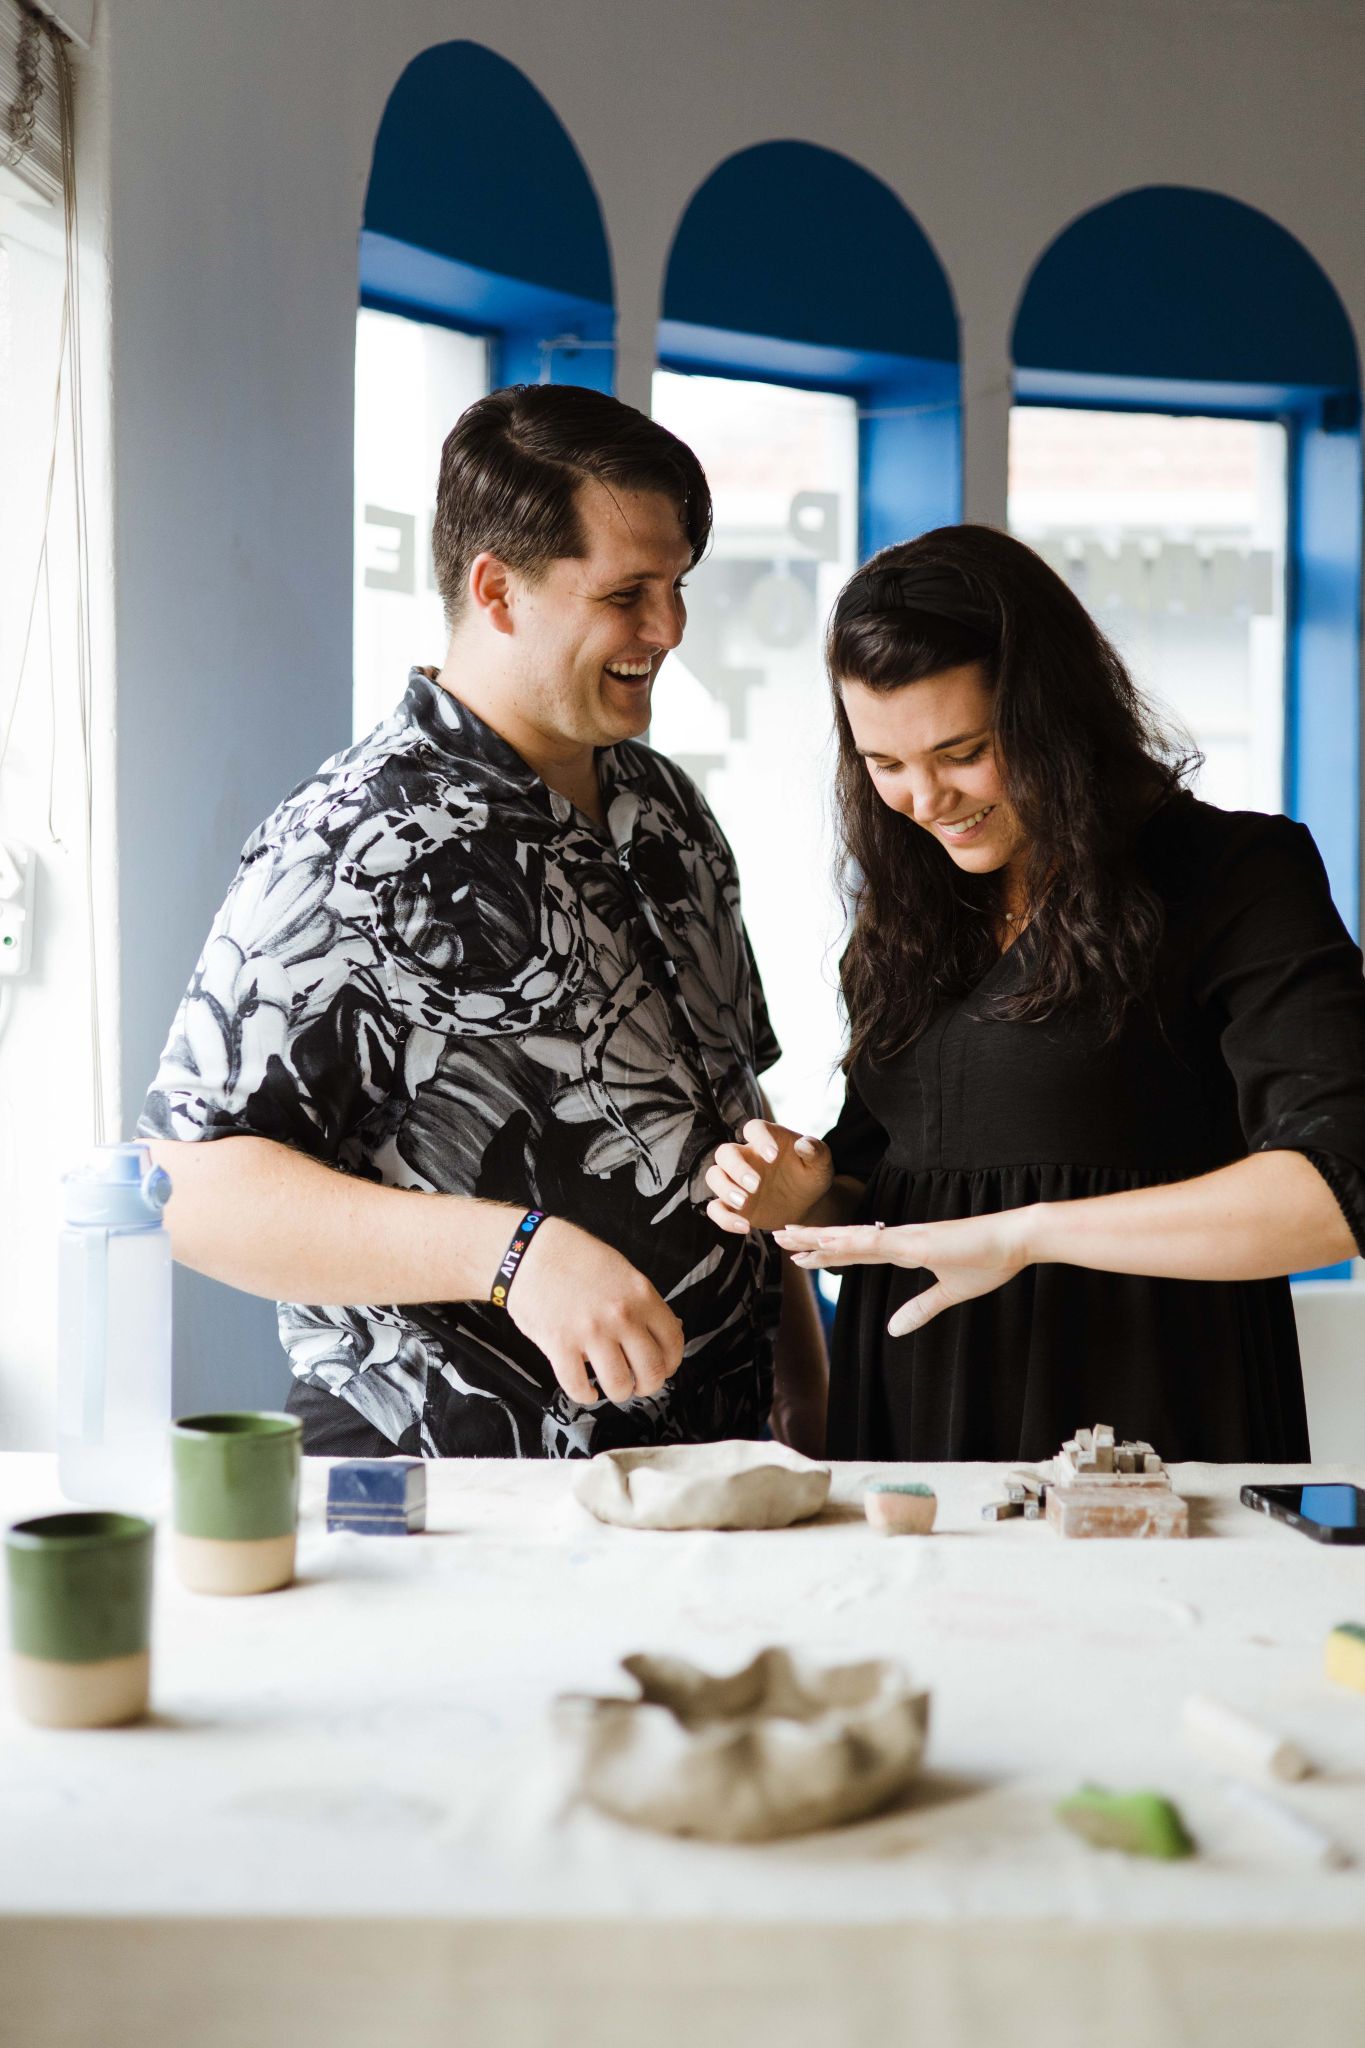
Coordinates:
514 1255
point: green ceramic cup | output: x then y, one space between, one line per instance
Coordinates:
236 1500
80 1607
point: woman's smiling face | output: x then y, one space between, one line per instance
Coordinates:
930 751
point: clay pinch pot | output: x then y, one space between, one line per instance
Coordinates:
777 1748
902 1507
729 1485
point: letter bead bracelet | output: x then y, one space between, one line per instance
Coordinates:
513 1256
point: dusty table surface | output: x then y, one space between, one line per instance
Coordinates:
372 1744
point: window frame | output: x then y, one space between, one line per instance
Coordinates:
515 318
1321 776
1322 713
909 416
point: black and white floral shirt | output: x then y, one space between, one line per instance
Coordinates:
434 972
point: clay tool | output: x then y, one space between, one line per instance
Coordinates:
1001 1510
1307 1838
1139 1823
1240 1744
1344 1661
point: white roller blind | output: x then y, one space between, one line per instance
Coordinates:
30 111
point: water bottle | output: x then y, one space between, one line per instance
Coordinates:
114 1331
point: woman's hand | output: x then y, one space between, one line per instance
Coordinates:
770 1176
969 1257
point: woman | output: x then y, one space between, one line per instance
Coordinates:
1106 1069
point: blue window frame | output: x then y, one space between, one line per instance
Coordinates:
480 215
909 417
794 265
1176 300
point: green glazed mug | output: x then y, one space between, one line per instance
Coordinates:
80 1608
236 1482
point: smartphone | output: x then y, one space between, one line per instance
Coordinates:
1330 1513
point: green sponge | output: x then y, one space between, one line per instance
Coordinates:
1140 1823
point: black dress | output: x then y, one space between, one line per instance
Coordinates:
1253 1040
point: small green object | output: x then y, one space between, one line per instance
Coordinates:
898 1486
1139 1823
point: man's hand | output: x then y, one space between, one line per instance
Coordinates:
770 1177
589 1310
967 1258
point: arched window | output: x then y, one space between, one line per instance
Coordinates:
483 261
808 350
1186 448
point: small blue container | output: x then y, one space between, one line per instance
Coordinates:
378 1496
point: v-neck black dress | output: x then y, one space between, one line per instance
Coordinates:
1253 1039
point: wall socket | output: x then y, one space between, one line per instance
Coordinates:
17 870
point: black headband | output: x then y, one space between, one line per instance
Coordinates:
942 596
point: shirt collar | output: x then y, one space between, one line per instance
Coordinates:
483 756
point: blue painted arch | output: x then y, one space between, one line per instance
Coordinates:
1175 299
480 212
1175 283
793 264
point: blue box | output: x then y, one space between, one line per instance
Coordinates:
378 1496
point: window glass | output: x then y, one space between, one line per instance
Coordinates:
743 705
37 568
412 382
1172 531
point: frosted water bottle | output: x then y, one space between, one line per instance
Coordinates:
114 1331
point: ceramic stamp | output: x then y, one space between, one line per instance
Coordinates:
1139 1823
378 1496
1001 1510
1345 1656
1239 1743
902 1507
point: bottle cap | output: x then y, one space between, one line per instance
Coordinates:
118 1188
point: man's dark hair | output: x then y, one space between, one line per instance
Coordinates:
511 467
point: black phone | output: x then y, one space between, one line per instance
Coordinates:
1330 1513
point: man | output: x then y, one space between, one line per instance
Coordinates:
487 968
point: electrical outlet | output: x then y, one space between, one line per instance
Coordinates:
17 869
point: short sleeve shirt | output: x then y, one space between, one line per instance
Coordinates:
433 972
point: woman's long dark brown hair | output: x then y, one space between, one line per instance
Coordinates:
1083 760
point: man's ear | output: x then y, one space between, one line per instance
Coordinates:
490 591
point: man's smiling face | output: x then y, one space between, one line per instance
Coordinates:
592 631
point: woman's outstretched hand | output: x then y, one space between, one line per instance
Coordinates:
769 1176
967 1257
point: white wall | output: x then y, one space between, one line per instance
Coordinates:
239 141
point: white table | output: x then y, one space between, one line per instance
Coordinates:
346 1824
